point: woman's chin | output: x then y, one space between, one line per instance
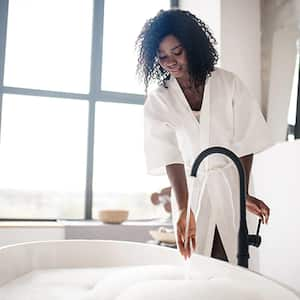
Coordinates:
178 74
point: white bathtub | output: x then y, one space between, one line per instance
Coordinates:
75 255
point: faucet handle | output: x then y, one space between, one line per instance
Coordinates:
255 239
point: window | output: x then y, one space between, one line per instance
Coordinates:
120 179
120 32
293 131
71 109
42 157
49 45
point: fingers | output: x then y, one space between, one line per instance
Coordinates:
256 210
180 242
259 208
260 214
193 238
190 246
265 211
191 243
186 247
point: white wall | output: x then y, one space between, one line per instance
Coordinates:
276 180
282 69
240 41
280 30
277 16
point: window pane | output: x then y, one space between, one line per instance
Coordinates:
120 179
42 157
292 114
120 32
49 44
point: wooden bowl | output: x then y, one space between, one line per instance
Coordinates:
113 216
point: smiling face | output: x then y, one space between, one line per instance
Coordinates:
172 57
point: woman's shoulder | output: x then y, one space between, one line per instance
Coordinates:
156 102
224 80
222 74
157 95
158 90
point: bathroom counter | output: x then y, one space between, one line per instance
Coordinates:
135 231
12 232
18 224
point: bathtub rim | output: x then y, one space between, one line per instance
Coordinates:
40 249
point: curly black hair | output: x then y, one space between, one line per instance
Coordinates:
193 34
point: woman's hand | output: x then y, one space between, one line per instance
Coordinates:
191 240
258 208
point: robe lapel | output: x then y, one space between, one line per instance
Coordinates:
204 124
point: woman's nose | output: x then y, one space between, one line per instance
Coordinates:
171 62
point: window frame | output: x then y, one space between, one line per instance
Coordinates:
95 93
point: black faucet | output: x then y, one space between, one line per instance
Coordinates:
244 239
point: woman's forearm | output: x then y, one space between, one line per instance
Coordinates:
247 164
176 174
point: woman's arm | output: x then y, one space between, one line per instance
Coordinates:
177 179
254 205
247 163
176 174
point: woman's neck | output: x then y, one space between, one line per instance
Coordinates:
185 82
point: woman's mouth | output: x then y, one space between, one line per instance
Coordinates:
174 70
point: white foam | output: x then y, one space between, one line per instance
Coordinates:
131 283
54 284
187 267
214 289
118 282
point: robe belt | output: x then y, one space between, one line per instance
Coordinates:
204 174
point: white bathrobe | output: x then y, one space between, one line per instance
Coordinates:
230 117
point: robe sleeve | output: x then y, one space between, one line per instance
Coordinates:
160 141
251 132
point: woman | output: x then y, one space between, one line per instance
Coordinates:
195 106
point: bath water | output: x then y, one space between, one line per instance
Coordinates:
187 264
168 283
54 284
127 283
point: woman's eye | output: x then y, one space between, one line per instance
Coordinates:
178 52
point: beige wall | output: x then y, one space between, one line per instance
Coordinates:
279 23
240 41
277 184
275 15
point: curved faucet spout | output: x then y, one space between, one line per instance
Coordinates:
243 247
